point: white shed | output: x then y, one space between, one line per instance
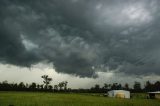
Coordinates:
154 95
119 94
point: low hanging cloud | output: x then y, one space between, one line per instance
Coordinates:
81 37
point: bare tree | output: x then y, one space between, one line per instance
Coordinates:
61 85
65 85
56 87
46 80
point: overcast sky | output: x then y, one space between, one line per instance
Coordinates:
82 41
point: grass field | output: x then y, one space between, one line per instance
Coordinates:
58 99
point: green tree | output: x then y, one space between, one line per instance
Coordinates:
33 85
149 86
97 87
21 85
50 87
105 86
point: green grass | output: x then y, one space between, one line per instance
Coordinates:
61 99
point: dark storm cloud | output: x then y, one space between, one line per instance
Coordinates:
81 37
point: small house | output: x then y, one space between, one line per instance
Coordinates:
154 95
119 94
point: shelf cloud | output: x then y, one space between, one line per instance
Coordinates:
82 37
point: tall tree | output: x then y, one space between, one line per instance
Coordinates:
65 85
61 85
33 86
21 85
114 86
97 87
157 85
50 87
56 87
148 86
137 86
126 86
105 86
46 80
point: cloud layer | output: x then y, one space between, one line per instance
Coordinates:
81 37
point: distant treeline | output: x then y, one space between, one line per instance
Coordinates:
62 87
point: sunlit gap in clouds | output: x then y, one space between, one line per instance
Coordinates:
130 14
137 14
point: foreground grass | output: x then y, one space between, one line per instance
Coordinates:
57 99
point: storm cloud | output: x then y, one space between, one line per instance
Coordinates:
82 37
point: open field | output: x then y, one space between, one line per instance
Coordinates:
61 99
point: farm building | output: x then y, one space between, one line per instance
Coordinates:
119 94
154 95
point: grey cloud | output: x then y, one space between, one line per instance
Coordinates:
77 35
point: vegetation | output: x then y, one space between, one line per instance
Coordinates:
61 95
62 87
47 81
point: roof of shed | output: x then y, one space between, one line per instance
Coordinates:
155 92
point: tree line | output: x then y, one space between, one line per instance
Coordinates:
62 87
46 86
